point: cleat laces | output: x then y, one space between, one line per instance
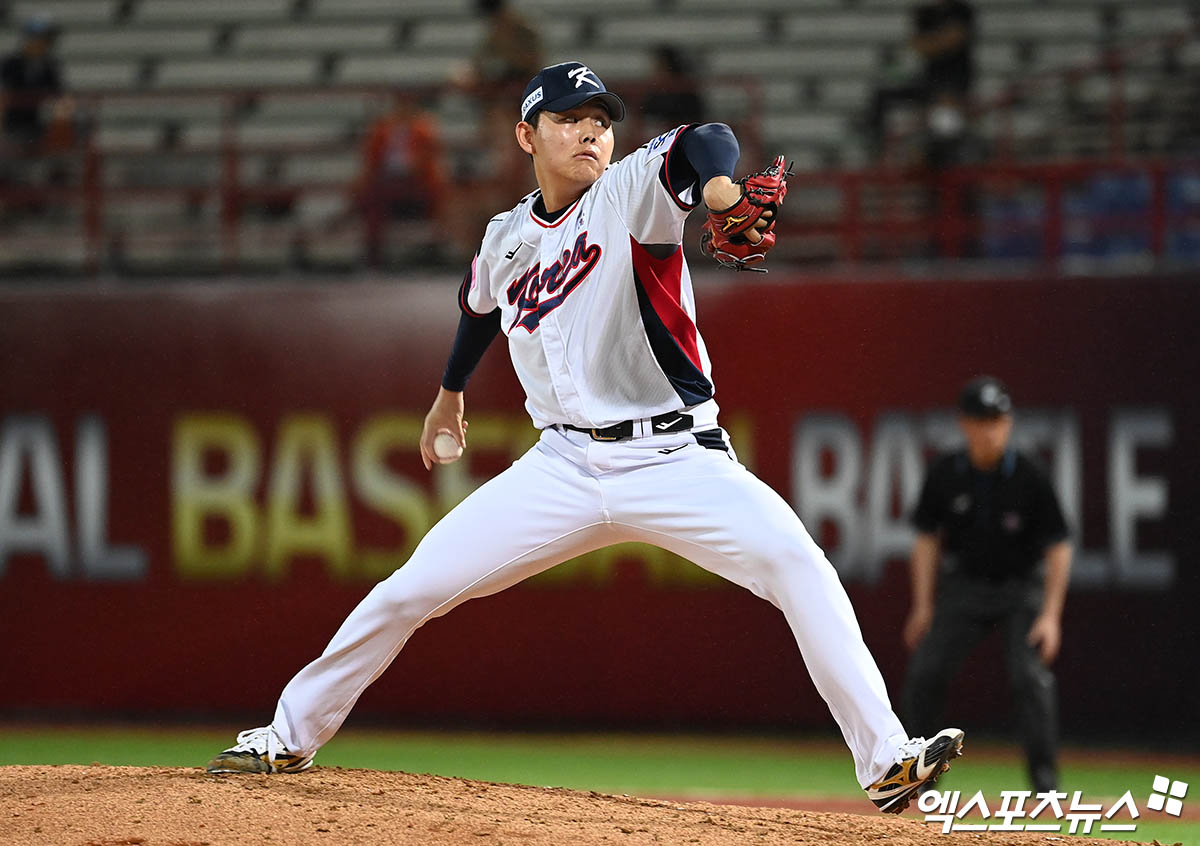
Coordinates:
260 741
910 748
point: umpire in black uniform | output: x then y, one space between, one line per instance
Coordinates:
991 553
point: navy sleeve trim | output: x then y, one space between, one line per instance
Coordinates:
704 151
465 287
676 173
475 335
712 150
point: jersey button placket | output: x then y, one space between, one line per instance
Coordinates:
553 343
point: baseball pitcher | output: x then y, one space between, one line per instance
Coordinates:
587 280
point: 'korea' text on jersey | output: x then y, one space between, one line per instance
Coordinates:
597 304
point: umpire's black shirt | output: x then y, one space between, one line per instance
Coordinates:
995 524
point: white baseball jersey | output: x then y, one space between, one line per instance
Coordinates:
597 304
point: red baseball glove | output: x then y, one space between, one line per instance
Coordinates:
723 235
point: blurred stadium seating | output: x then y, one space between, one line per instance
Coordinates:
259 94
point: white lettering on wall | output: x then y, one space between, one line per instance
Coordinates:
1132 497
28 445
29 451
98 560
895 469
864 486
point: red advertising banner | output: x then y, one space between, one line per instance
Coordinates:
198 483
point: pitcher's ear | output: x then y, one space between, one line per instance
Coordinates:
525 135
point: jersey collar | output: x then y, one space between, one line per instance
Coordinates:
551 224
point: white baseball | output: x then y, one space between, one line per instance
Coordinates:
445 447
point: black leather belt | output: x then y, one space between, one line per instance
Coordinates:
672 421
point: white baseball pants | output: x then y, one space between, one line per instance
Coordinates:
577 495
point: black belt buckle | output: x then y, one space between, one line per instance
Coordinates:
672 421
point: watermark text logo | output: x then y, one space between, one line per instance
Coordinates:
1024 810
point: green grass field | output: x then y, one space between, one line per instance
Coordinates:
680 766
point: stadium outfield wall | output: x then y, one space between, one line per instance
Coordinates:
198 482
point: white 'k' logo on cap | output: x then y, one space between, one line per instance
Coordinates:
581 74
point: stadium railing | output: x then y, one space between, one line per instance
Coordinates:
1062 215
211 174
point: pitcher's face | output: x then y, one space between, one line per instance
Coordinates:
570 149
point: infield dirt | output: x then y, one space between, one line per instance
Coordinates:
141 806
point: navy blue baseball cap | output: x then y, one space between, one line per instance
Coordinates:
565 86
985 397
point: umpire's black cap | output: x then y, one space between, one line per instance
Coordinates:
565 86
985 397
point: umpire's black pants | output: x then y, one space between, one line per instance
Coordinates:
966 611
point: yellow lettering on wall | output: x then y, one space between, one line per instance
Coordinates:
389 493
228 496
307 445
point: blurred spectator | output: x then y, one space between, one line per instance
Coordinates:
1184 116
402 176
31 77
511 50
508 56
1183 111
272 198
944 39
31 80
674 96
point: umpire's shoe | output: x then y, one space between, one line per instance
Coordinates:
919 762
258 751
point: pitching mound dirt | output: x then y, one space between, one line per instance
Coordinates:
131 806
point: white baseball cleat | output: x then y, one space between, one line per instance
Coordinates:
919 762
258 751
